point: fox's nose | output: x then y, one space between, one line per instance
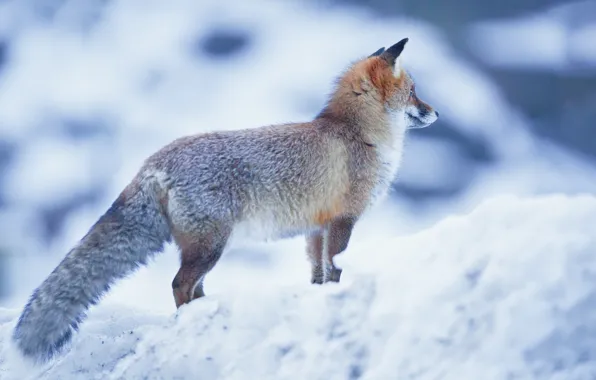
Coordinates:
437 113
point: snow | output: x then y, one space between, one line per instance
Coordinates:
506 291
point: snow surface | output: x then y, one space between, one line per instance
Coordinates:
505 292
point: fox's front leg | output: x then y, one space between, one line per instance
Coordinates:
336 238
314 248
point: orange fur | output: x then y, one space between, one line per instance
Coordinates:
373 76
383 79
324 216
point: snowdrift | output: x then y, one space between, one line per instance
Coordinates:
505 292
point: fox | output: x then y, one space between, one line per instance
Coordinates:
314 178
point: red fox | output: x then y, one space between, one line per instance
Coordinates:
315 178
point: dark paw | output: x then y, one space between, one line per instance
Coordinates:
334 275
316 279
317 276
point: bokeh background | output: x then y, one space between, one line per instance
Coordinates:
89 88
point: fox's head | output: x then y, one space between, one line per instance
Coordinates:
397 88
379 85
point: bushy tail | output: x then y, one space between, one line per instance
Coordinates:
131 231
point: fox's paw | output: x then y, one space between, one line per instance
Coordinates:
316 279
180 297
318 275
333 275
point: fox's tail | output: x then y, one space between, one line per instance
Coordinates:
130 232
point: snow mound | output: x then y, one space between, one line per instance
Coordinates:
505 292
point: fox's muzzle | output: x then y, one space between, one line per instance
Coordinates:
421 117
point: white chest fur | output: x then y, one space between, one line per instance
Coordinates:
389 155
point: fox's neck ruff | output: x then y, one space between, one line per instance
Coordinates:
389 153
390 149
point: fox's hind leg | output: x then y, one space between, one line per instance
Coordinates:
336 238
199 254
314 248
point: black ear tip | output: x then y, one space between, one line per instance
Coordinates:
394 51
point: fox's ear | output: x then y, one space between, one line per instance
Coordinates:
391 54
377 53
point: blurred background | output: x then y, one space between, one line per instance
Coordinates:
90 88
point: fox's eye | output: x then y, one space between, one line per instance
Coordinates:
411 93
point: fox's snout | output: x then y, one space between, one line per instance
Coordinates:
419 113
421 116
